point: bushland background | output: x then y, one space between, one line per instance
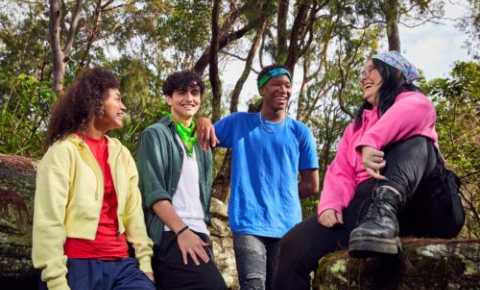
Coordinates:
44 44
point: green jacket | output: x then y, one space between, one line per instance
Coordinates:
159 162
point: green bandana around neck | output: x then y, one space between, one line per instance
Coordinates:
186 134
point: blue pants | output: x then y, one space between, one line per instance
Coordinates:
93 274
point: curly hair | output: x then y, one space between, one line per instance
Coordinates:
182 80
82 101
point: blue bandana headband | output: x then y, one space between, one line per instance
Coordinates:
395 59
273 73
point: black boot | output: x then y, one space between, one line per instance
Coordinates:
378 231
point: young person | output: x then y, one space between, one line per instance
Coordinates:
176 179
378 185
269 151
87 203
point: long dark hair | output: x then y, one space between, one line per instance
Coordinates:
82 101
393 84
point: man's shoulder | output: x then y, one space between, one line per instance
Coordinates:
161 127
238 116
298 126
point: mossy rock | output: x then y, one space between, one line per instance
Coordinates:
423 264
17 186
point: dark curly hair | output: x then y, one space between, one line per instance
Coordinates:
182 80
82 100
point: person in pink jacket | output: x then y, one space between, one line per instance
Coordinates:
372 191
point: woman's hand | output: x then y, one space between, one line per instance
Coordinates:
150 276
373 161
330 217
191 244
206 133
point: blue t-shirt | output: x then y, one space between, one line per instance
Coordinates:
266 160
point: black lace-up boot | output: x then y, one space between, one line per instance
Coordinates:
378 231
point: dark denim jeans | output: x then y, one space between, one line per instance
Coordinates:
409 164
256 258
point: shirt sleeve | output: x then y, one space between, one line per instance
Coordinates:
224 130
339 182
407 117
308 151
49 234
152 168
134 220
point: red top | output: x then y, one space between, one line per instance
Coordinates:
108 244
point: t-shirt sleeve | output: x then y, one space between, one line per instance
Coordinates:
308 150
224 130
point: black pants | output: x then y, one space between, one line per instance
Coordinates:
171 273
408 164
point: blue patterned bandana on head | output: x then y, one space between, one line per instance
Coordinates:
395 59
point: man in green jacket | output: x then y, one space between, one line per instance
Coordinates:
175 180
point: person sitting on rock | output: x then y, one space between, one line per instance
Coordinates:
176 180
384 159
87 203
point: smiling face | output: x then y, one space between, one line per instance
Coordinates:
113 111
276 93
185 103
370 81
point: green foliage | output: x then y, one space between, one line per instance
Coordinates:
141 92
457 101
24 112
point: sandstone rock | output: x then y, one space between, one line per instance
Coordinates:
223 243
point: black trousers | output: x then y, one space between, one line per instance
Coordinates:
408 164
172 274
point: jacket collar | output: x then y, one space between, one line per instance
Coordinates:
114 146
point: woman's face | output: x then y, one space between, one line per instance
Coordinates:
370 81
113 111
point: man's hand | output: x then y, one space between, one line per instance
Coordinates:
373 161
191 244
330 217
206 133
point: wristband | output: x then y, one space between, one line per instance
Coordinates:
181 231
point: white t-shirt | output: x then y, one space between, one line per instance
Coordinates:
186 200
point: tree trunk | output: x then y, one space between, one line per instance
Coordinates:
61 54
392 18
248 65
55 43
282 16
213 63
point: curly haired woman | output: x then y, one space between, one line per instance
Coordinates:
87 203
